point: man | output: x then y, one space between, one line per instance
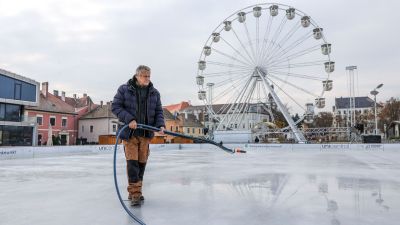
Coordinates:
138 101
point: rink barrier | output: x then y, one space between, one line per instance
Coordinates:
45 151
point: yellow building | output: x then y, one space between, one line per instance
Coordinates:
184 123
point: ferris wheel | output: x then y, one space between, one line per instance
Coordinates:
260 57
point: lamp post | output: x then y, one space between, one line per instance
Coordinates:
374 93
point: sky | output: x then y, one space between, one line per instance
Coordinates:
93 46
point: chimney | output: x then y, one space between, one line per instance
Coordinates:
84 95
108 105
45 88
101 103
55 92
74 96
90 106
63 96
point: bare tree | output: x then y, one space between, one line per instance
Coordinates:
390 112
323 119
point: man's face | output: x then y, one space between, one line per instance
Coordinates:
143 78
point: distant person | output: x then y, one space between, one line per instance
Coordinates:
138 101
205 130
256 140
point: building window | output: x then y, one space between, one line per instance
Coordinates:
52 121
64 122
91 129
114 128
39 139
83 128
193 131
236 126
2 111
13 113
16 135
176 128
39 120
10 112
188 130
17 91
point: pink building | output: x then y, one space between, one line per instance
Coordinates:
54 118
82 106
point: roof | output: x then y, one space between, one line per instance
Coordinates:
360 102
52 103
18 77
103 111
177 107
190 121
78 102
167 114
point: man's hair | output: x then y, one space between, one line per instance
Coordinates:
142 67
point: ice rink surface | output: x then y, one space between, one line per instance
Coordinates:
207 187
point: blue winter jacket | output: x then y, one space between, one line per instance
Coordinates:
125 103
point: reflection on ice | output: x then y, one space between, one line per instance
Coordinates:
208 187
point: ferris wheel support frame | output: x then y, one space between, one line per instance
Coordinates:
297 133
265 70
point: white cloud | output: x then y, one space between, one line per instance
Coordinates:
92 46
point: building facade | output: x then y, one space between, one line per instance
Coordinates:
179 123
54 118
191 125
82 105
96 123
363 113
17 93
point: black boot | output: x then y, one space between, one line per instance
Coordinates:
132 167
142 167
133 170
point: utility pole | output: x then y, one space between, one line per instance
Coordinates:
375 93
352 104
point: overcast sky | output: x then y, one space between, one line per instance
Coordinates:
93 46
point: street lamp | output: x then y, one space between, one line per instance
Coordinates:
374 93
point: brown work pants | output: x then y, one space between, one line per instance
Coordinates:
136 154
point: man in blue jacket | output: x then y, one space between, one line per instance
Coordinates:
138 101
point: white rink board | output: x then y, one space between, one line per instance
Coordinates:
31 152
